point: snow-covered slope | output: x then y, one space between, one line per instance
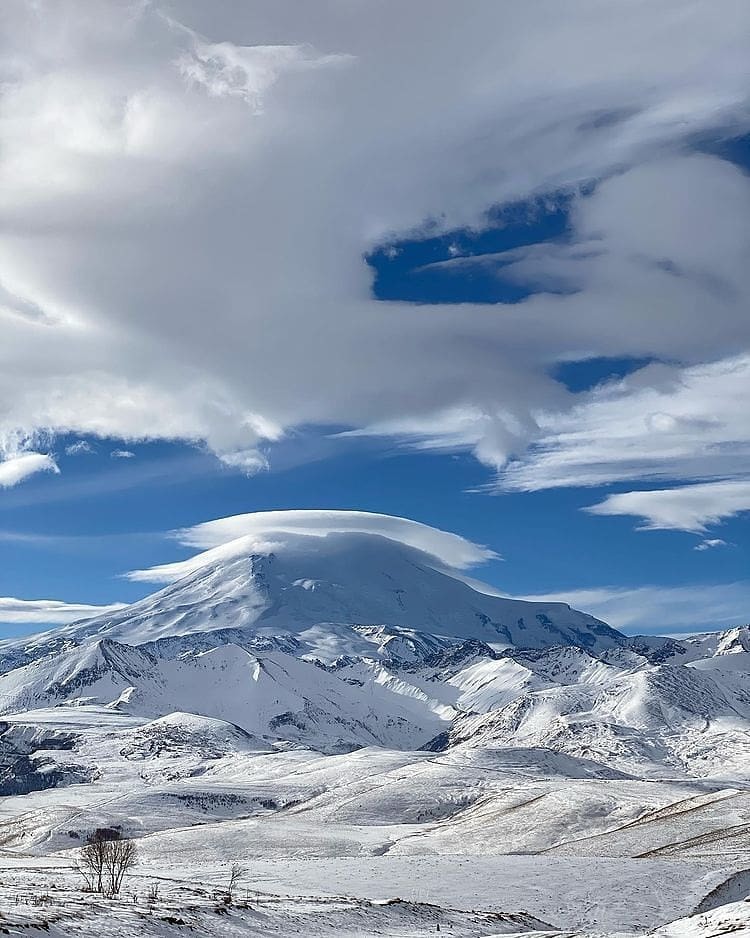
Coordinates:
272 694
500 830
732 920
625 712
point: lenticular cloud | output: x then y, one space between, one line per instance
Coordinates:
264 531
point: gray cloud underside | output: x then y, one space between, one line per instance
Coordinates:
188 199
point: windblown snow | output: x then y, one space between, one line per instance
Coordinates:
383 747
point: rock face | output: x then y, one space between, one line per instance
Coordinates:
21 771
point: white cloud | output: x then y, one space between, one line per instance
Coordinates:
249 461
663 422
122 454
79 447
220 197
661 610
710 543
688 508
248 72
17 468
48 611
263 531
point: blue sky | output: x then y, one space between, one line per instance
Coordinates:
73 536
310 266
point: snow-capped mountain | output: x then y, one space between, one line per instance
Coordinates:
319 590
304 644
348 698
348 639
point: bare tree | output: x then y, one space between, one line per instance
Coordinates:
92 857
89 868
105 859
237 872
119 857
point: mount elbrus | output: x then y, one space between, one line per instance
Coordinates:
346 640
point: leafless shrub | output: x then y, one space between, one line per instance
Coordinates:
119 857
91 859
105 859
237 872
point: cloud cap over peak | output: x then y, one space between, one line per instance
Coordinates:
264 531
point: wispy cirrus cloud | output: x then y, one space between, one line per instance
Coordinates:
661 610
48 611
691 508
710 543
664 422
16 468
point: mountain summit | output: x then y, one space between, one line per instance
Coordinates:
318 589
